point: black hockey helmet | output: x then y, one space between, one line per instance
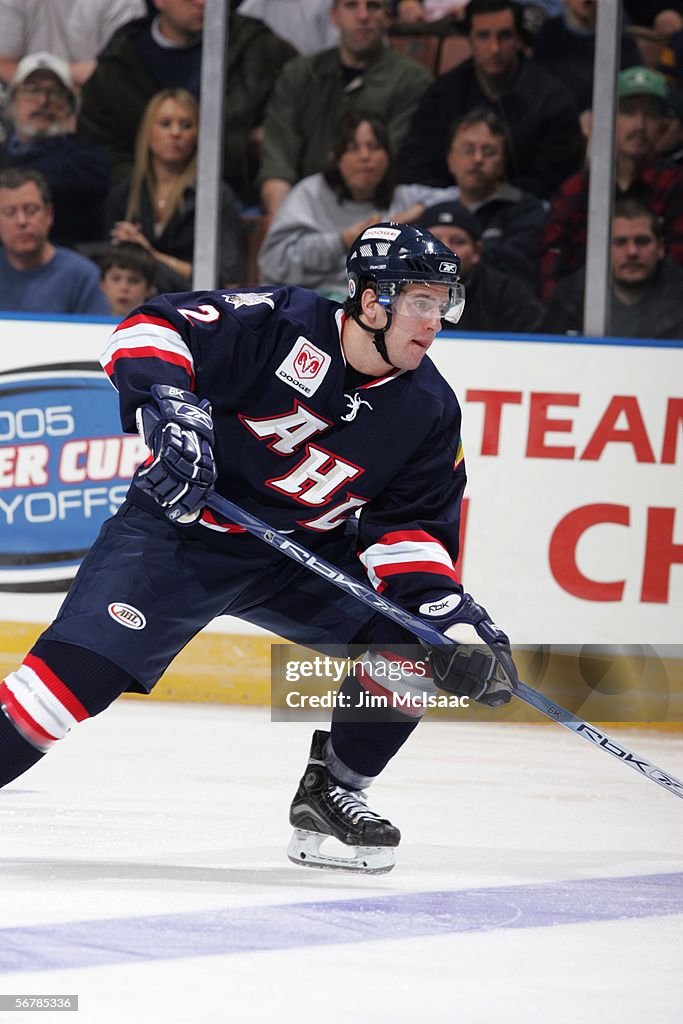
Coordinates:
387 256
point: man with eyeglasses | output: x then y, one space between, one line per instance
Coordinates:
35 275
332 423
41 110
510 220
544 138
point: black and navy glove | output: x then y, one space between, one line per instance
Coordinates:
479 663
178 430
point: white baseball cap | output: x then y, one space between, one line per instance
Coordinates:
44 61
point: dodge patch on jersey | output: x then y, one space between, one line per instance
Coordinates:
304 368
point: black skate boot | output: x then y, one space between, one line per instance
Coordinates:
321 809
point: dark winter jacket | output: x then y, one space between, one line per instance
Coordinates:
78 175
496 302
177 238
311 97
115 97
569 56
563 249
545 144
658 314
511 223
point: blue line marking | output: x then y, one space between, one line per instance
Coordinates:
75 944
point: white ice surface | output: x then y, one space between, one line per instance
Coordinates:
175 809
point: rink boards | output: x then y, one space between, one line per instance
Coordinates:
572 529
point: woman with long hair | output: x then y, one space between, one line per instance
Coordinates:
155 207
307 241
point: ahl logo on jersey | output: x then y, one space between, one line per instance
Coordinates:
304 368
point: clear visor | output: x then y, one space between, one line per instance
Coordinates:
426 301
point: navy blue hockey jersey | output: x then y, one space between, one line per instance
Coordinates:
300 441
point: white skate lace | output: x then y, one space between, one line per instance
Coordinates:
352 803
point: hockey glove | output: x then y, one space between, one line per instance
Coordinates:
178 430
479 664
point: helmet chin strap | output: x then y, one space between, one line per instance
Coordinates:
378 336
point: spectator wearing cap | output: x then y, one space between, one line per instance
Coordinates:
646 286
35 275
511 221
640 173
493 301
545 143
41 109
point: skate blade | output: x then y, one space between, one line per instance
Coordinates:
304 850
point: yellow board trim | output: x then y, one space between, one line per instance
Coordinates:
215 668
230 668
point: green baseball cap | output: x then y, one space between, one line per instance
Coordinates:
640 81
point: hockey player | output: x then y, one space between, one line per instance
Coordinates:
331 423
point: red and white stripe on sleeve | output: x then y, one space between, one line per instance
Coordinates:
39 704
147 337
405 551
221 525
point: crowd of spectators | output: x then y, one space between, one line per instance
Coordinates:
329 127
640 172
323 213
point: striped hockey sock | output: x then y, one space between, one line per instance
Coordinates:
56 686
365 743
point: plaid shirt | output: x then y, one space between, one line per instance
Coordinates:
660 186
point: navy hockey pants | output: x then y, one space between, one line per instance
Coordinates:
144 590
147 587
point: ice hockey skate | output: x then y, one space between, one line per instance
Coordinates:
322 811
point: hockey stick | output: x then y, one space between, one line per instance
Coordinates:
430 635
